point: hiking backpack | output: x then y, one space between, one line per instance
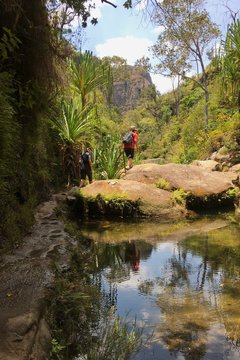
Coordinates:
127 138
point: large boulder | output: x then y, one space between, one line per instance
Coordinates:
205 188
127 198
235 168
207 164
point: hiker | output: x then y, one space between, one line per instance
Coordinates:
130 142
86 167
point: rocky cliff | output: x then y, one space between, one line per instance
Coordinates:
126 93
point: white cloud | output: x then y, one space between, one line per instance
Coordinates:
158 30
141 5
97 11
129 47
162 83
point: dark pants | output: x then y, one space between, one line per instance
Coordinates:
86 171
129 153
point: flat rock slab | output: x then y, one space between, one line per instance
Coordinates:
150 200
196 180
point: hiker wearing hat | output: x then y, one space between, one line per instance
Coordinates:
130 142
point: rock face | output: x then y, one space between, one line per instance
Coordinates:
126 93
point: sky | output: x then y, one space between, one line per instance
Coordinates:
127 34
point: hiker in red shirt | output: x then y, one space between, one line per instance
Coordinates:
129 147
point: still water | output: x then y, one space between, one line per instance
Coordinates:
181 282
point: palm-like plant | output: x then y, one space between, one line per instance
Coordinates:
109 159
73 126
88 75
76 121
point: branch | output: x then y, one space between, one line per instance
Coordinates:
108 2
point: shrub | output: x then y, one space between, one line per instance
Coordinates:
162 184
179 196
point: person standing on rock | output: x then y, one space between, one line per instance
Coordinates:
86 167
130 143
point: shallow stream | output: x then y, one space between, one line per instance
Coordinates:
181 282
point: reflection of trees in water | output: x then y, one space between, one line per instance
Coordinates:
220 252
115 263
186 315
199 285
228 307
186 320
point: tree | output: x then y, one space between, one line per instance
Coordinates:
187 33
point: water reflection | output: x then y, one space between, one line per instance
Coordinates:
186 288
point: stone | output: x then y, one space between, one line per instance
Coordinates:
235 168
145 200
127 92
207 164
206 188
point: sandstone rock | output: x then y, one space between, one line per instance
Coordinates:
205 188
25 275
126 93
235 168
221 155
136 198
207 164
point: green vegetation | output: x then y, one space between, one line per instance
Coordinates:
162 184
109 159
179 196
117 205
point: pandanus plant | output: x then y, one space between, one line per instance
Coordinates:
77 119
88 75
73 125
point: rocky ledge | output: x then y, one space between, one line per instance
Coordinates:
170 191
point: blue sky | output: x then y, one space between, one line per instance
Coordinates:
125 33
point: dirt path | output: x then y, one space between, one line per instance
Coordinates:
25 276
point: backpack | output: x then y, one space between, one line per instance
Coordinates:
127 138
85 157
